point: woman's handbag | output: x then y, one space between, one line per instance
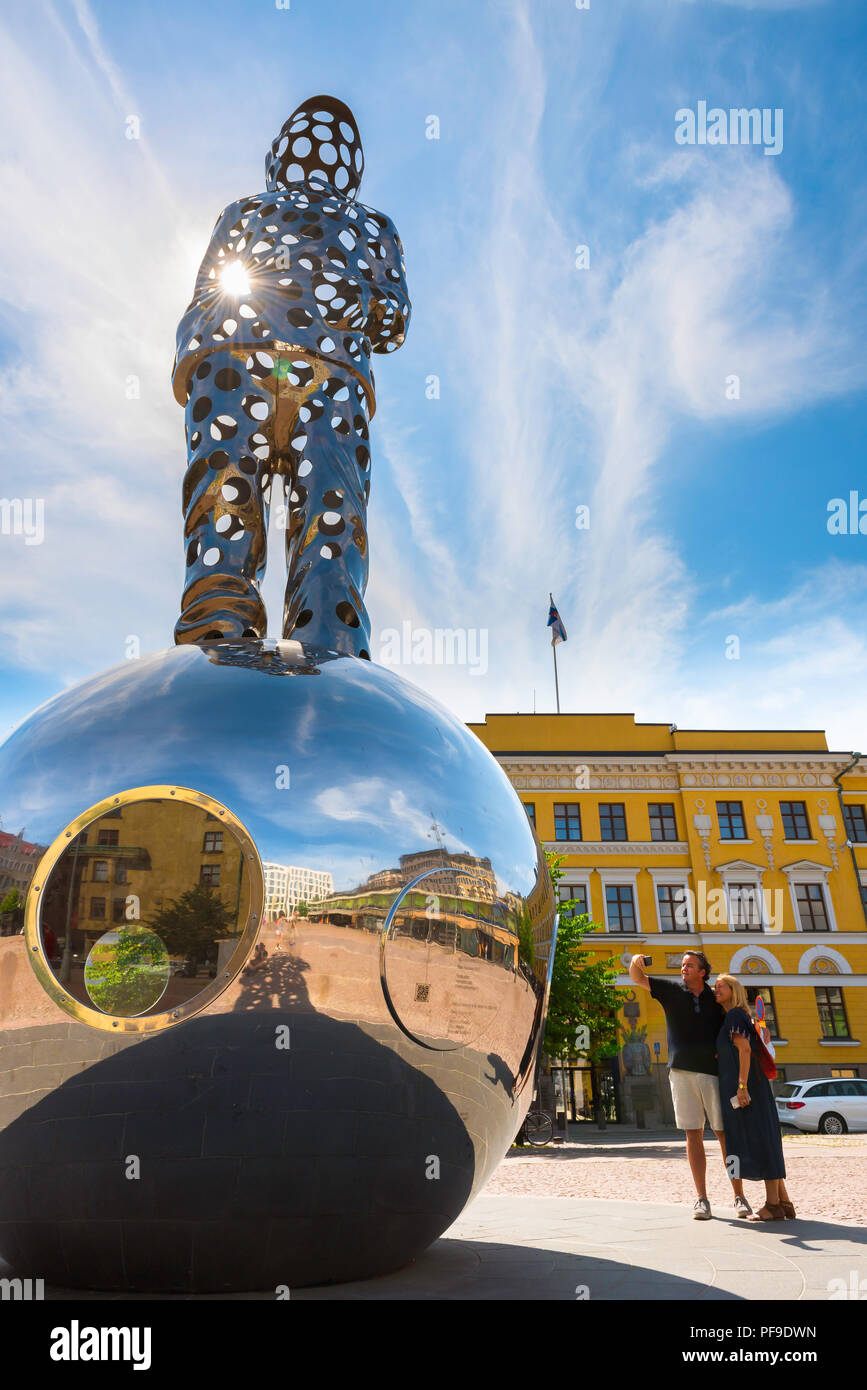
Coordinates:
766 1061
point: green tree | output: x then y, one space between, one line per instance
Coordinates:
303 909
192 923
12 902
526 949
127 975
583 993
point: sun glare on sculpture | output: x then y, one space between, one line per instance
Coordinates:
234 279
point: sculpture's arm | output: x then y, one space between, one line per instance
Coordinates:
197 311
389 319
219 239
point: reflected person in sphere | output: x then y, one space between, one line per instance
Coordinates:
299 286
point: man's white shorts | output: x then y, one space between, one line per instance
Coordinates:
695 1094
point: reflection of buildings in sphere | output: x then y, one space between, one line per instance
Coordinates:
152 862
385 880
18 862
455 874
448 902
448 905
464 875
287 885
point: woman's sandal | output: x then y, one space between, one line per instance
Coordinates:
769 1213
788 1211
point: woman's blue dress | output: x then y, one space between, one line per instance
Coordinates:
753 1131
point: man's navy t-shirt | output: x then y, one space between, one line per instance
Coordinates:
692 1032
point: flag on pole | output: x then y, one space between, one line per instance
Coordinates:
558 631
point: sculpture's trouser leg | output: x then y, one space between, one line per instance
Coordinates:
326 529
225 500
249 415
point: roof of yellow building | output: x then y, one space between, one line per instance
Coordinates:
619 733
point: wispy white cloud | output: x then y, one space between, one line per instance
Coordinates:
373 801
567 386
91 277
718 286
801 663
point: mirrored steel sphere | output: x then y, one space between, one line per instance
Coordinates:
271 1013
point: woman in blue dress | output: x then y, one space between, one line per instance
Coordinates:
752 1129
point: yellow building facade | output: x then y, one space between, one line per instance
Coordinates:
131 862
748 845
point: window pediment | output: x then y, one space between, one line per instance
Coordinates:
805 866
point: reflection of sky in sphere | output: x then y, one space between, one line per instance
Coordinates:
377 769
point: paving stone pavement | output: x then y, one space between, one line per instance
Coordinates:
564 1248
825 1174
552 1224
545 1248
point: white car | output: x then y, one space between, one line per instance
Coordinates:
825 1106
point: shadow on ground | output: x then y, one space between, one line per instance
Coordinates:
457 1270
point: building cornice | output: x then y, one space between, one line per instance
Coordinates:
768 940
692 755
600 847
643 772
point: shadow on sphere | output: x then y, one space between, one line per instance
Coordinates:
268 1146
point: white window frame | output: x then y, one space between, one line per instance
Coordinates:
674 878
575 879
806 872
742 872
619 877
750 886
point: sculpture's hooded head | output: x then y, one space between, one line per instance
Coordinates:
319 144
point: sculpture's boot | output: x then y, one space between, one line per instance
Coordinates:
221 608
225 497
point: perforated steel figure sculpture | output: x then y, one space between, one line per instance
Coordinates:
300 284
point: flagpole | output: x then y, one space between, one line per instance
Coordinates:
554 651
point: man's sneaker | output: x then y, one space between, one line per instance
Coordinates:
742 1207
701 1210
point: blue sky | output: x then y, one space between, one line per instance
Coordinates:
559 386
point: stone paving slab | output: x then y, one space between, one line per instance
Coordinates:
825 1173
506 1248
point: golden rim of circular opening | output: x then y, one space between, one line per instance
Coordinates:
151 1023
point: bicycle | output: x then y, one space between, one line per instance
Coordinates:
538 1128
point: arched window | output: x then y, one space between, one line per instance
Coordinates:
822 965
755 965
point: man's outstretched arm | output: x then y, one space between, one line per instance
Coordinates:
637 973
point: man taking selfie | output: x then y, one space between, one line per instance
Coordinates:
693 1019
